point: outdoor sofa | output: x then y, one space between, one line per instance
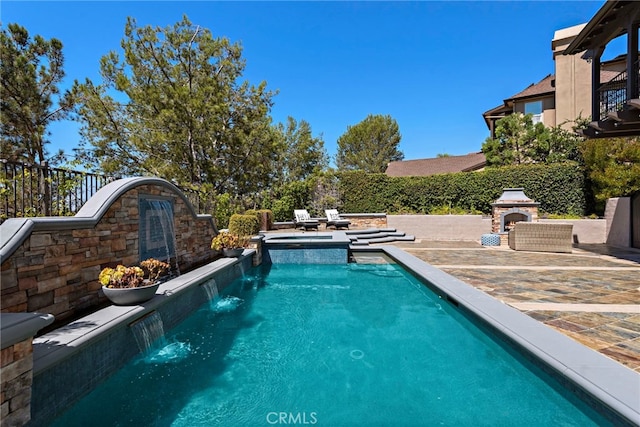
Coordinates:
541 237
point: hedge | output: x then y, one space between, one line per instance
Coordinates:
560 189
244 225
264 217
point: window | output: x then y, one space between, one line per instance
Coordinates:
534 108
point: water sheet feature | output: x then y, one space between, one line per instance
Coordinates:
154 346
157 234
211 289
147 330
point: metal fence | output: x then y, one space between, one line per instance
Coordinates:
202 203
38 190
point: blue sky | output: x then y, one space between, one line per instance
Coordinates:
435 67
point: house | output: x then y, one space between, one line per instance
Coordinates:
446 164
537 99
615 106
559 98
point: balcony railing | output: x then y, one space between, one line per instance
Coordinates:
613 94
34 190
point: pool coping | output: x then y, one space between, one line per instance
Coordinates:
612 383
59 345
323 238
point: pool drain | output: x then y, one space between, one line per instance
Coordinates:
356 354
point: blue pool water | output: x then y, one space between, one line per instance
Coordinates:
328 345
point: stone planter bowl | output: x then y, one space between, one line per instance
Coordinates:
232 253
130 296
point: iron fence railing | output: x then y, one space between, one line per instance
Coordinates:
38 190
201 202
613 94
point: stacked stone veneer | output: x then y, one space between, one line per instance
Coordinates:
17 376
55 269
365 220
498 211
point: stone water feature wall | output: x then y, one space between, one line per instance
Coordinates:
51 265
17 375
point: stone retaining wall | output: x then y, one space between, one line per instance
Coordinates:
358 220
55 268
17 376
366 220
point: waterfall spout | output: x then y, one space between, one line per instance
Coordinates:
147 330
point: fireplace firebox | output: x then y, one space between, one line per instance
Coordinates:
511 207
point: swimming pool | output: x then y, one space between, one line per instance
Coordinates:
352 344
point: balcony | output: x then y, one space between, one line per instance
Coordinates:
619 113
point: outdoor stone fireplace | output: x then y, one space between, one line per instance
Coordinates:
512 206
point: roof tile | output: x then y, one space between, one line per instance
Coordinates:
438 165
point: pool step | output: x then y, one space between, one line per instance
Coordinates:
374 235
393 239
370 231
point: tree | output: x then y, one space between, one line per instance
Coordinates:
174 107
303 154
517 141
370 145
31 71
613 166
561 146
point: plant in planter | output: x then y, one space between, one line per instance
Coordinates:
131 285
230 244
154 268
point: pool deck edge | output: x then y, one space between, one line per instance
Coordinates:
615 385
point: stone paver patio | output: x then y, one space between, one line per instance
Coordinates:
591 295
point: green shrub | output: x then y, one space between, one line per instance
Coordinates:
560 216
244 225
453 210
264 217
283 208
254 213
559 188
224 207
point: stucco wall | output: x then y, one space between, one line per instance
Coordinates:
585 230
618 215
573 79
441 227
472 227
55 269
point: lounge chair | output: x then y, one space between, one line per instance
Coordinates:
333 219
303 220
